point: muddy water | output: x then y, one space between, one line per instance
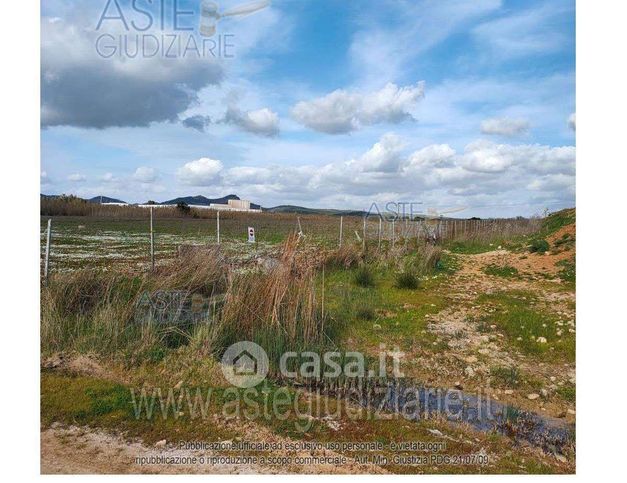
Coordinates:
415 402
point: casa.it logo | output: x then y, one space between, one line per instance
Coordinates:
245 364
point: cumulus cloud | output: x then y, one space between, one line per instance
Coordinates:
392 170
77 178
553 182
343 111
487 157
389 168
145 174
433 155
262 122
572 121
201 172
80 88
384 156
505 126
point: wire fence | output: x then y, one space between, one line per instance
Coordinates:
86 242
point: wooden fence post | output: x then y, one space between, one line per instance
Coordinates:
363 242
341 228
46 262
152 243
300 228
218 225
379 234
393 234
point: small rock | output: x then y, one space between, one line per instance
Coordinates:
571 411
435 432
533 396
544 393
508 391
469 371
458 385
541 340
560 458
161 444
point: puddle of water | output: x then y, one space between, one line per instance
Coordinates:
416 402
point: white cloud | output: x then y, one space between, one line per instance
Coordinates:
553 182
505 126
487 157
77 178
343 111
534 31
263 122
397 33
572 121
433 155
384 156
145 174
393 168
201 172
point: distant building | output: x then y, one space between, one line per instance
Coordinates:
113 204
232 205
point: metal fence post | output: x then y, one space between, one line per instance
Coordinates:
47 259
218 225
152 243
341 229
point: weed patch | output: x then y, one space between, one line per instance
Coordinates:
502 271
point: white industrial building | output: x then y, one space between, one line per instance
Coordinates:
232 205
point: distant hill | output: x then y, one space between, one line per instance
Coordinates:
104 199
301 210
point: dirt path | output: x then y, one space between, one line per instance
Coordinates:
80 450
83 450
471 350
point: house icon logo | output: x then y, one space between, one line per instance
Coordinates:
245 364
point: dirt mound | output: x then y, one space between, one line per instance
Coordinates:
80 364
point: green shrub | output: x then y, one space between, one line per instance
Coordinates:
568 392
568 271
364 276
539 246
407 280
507 376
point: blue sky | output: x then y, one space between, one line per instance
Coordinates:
321 103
